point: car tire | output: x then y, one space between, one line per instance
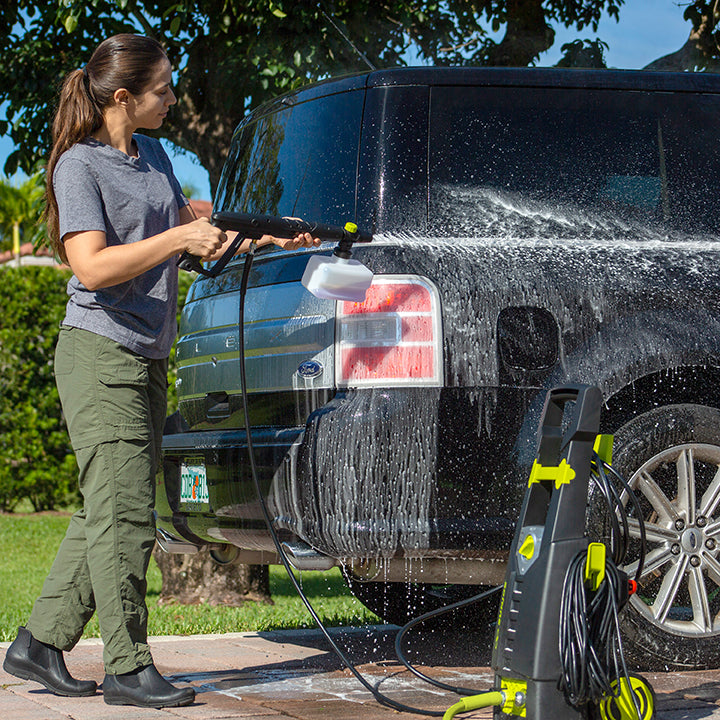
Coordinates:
398 603
671 458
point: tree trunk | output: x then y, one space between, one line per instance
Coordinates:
701 50
687 59
211 102
195 579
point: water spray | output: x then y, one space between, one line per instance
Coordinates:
557 650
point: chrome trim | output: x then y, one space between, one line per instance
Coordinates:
171 544
303 557
446 571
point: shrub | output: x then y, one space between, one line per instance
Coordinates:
36 460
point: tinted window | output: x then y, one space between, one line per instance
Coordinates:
300 161
528 162
393 179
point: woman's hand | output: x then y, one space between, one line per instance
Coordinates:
300 240
203 239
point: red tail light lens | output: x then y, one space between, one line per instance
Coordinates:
394 337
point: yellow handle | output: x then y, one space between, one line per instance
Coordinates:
475 702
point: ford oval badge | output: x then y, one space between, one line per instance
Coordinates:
309 369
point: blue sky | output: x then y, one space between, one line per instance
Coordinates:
647 30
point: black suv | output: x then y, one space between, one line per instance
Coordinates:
531 227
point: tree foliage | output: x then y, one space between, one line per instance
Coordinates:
36 460
528 29
231 55
21 207
701 51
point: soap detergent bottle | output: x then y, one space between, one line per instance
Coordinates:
338 277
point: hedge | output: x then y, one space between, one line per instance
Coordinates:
36 460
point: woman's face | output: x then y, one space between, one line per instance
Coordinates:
152 105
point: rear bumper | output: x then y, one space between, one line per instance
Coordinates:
377 473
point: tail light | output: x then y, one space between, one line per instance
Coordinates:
392 338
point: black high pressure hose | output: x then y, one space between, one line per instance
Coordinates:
428 616
578 686
382 699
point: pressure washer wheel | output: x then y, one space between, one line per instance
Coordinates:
624 707
671 458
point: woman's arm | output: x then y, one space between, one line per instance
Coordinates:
187 214
98 265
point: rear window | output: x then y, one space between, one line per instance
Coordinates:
539 162
301 161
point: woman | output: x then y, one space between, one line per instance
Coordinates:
117 215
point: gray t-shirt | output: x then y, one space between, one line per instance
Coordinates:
101 188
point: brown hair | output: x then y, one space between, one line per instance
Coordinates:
122 61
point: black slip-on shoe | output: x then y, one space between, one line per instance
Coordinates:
30 659
145 687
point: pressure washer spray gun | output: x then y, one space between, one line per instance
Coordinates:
338 277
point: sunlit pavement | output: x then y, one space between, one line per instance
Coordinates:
293 674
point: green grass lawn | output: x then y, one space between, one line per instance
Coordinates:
30 542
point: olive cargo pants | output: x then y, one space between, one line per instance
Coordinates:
114 403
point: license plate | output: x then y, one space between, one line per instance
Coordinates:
193 483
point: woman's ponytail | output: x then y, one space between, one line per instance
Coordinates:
77 117
122 61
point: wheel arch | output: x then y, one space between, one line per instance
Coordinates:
689 384
697 385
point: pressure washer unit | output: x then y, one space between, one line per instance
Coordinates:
549 660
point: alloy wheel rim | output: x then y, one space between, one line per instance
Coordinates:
679 491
